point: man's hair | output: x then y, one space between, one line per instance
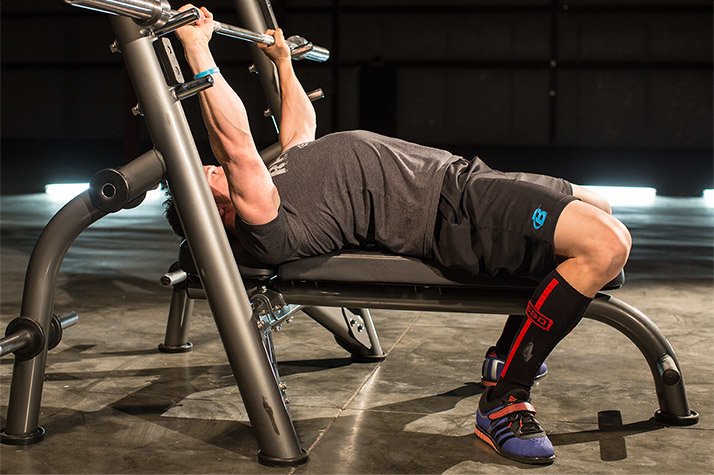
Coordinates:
172 215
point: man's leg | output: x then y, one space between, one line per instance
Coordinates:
496 355
595 247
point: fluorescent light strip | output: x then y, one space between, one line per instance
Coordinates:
625 195
67 191
708 196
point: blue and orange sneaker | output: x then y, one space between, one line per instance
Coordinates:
493 365
507 424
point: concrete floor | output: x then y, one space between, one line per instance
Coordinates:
112 404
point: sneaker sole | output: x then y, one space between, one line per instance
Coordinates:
529 460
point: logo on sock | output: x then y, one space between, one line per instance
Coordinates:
528 351
538 318
539 218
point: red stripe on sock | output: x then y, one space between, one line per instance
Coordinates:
544 296
515 346
541 300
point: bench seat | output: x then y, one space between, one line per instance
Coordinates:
369 267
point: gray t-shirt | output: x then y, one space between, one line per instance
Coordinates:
352 189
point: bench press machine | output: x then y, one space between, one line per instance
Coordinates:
245 318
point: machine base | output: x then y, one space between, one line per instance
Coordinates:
672 420
24 439
275 462
185 348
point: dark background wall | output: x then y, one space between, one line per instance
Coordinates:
614 92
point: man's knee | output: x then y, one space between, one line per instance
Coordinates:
611 249
597 244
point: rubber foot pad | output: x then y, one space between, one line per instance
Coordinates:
185 348
673 420
276 462
23 439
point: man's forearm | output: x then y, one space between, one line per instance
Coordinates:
223 111
298 120
251 189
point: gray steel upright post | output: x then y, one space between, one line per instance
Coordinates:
252 16
38 294
23 412
226 295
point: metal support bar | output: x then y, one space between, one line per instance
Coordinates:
146 12
38 294
26 339
252 16
635 325
376 350
315 95
334 321
59 324
111 190
173 278
178 20
190 88
671 395
14 342
212 254
67 320
178 323
37 299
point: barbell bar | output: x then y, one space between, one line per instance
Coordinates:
157 14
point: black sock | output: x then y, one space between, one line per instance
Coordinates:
554 310
510 329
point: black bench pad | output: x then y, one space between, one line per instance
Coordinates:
248 266
364 267
356 266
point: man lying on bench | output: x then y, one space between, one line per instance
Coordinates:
359 189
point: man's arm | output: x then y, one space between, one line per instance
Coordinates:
298 121
251 188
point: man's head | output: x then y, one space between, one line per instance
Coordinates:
218 185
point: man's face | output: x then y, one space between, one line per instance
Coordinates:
219 187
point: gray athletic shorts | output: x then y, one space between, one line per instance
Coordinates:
490 222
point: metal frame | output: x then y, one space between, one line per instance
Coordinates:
669 385
499 300
177 155
249 351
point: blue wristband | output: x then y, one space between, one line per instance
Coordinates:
207 72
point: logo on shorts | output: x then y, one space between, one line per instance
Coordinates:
539 218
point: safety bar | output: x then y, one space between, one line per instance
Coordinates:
25 337
157 13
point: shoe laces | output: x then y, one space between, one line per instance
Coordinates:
525 422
